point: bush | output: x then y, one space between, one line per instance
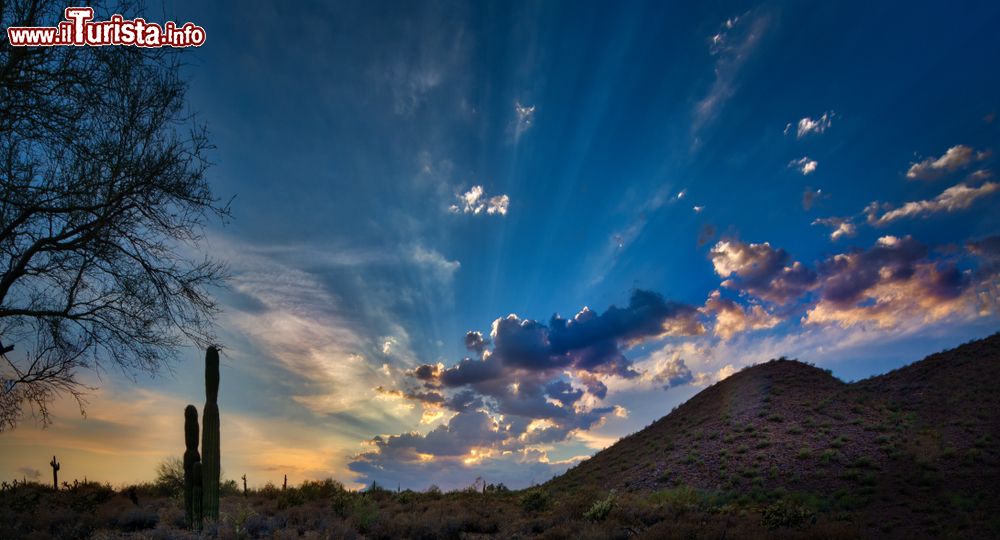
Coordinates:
601 508
804 453
135 519
786 514
535 500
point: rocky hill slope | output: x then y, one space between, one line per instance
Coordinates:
915 448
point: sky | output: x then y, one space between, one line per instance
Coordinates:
487 239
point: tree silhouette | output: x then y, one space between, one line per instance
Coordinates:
104 198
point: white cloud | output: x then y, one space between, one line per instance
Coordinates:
842 227
441 267
804 165
808 125
475 201
731 318
957 197
732 45
525 115
954 158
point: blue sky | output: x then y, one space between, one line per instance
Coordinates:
407 173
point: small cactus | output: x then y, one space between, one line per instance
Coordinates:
210 453
284 485
191 457
244 485
55 473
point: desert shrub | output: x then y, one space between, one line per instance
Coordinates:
777 418
678 497
535 500
364 514
804 453
786 514
239 519
289 498
135 519
170 477
863 462
314 490
601 508
829 455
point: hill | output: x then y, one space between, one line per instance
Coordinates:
911 450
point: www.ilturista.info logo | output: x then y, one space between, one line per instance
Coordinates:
79 29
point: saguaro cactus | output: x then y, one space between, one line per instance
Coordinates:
196 496
191 457
55 473
244 485
284 485
210 437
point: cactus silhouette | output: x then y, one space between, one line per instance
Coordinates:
196 496
55 473
210 437
244 485
191 457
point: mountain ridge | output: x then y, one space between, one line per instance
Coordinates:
897 446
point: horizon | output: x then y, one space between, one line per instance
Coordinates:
491 240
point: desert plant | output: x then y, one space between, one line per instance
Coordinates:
197 496
191 457
210 437
786 514
55 473
600 509
170 477
535 500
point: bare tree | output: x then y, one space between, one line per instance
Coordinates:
104 198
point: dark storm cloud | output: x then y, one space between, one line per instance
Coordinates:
588 342
847 276
987 251
425 372
563 392
475 342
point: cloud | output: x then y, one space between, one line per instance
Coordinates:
475 201
30 472
761 270
809 198
808 125
524 116
895 282
892 283
957 197
731 318
698 209
706 234
673 373
842 227
443 269
530 383
954 158
731 47
804 165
